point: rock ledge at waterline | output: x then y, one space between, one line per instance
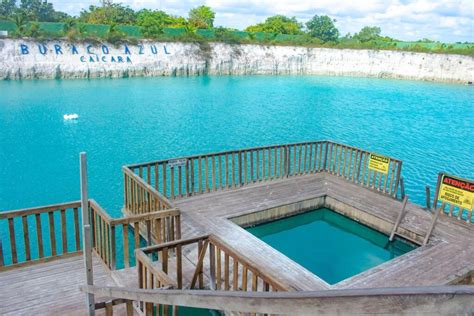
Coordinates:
26 59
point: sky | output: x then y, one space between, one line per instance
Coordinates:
442 20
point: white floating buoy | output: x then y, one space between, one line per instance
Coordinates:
70 116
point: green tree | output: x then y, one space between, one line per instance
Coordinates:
152 22
322 27
7 8
368 33
41 11
279 24
21 21
202 17
108 13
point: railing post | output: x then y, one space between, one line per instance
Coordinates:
325 156
86 233
402 188
428 197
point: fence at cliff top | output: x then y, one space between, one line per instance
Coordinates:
149 185
133 31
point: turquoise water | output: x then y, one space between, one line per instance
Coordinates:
429 126
328 244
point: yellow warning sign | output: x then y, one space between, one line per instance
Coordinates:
379 163
457 191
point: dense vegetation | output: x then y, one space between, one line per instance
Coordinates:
115 22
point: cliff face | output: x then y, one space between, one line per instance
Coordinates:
22 59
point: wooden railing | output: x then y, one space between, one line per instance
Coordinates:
42 233
157 227
186 176
39 234
427 300
225 269
109 306
140 197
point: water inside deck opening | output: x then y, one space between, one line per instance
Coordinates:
332 246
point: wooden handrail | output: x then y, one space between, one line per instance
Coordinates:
39 210
144 164
35 239
144 217
148 187
197 174
440 300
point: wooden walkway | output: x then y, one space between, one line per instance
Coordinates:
447 256
50 288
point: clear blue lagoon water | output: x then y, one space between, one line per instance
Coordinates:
430 126
328 244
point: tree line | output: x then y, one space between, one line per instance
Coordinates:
153 22
320 30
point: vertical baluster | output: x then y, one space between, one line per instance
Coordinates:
221 185
11 228
227 170
244 278
180 181
240 167
219 268
206 168
172 182
305 158
274 163
148 174
252 178
156 174
245 168
264 173
269 161
77 236
213 184
39 235
233 169
164 179
52 234
258 166
300 153
136 234
113 254
199 176
235 274
226 272
188 162
64 231
179 266
192 177
125 245
26 237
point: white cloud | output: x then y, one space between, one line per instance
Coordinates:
446 20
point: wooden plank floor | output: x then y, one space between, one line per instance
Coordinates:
50 288
450 251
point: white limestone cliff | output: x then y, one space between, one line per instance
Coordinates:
26 59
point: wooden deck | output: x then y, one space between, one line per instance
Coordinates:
53 287
50 288
449 254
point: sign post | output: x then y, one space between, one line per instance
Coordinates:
86 233
454 191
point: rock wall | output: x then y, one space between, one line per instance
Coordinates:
24 59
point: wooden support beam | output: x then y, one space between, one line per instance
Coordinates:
440 300
399 218
86 233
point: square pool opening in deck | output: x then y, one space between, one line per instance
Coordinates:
332 246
